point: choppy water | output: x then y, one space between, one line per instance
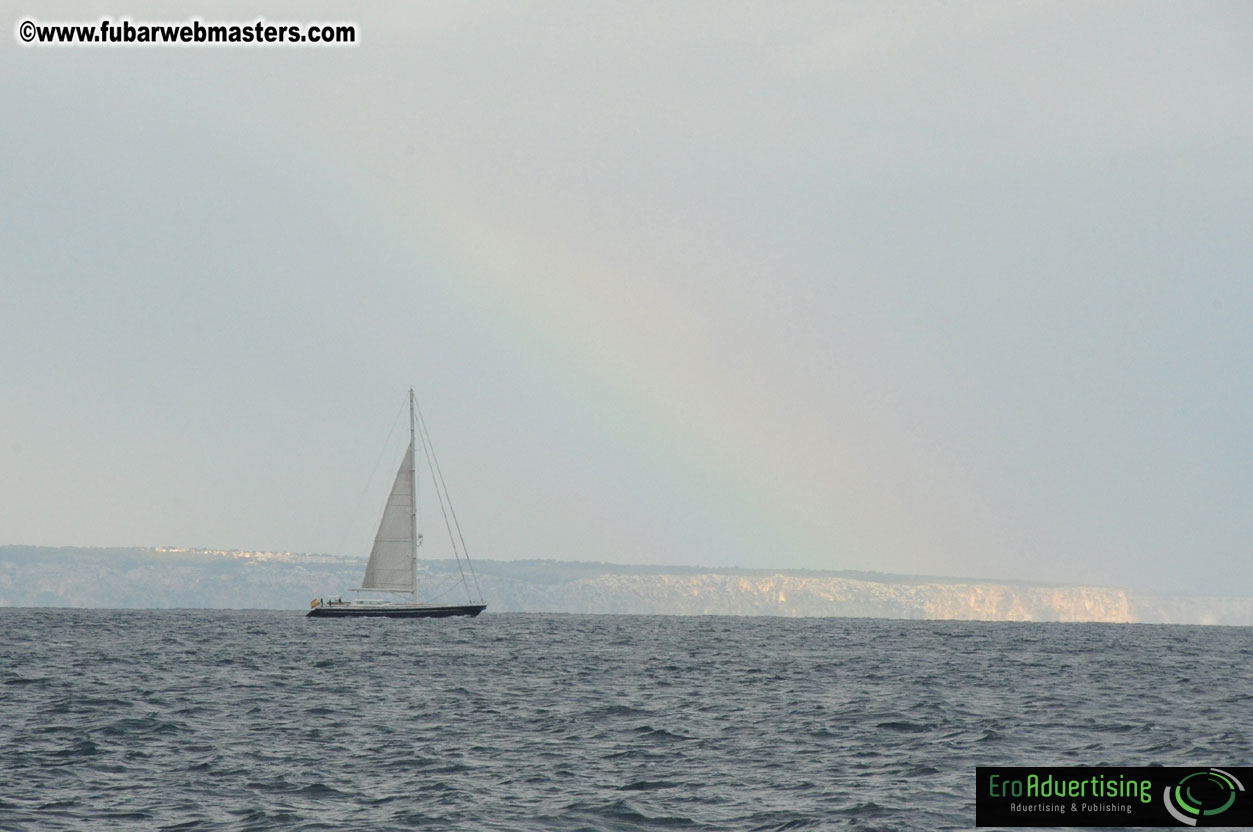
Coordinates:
262 720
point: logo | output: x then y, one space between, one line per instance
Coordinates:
1113 796
1202 795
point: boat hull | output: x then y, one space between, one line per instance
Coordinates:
393 611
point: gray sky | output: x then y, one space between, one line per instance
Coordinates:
938 288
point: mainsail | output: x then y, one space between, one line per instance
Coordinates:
391 567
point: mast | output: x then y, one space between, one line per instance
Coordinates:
413 494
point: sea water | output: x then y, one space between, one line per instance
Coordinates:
269 720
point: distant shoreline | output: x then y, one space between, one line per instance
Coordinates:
189 578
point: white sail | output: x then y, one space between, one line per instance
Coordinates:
391 566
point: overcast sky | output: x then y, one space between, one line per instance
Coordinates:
956 289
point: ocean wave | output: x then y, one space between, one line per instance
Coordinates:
188 720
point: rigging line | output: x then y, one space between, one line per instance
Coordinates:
339 547
426 451
442 592
439 472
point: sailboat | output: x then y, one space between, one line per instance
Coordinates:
393 564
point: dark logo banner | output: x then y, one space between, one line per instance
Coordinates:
1114 796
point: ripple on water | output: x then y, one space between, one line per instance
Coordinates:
188 720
